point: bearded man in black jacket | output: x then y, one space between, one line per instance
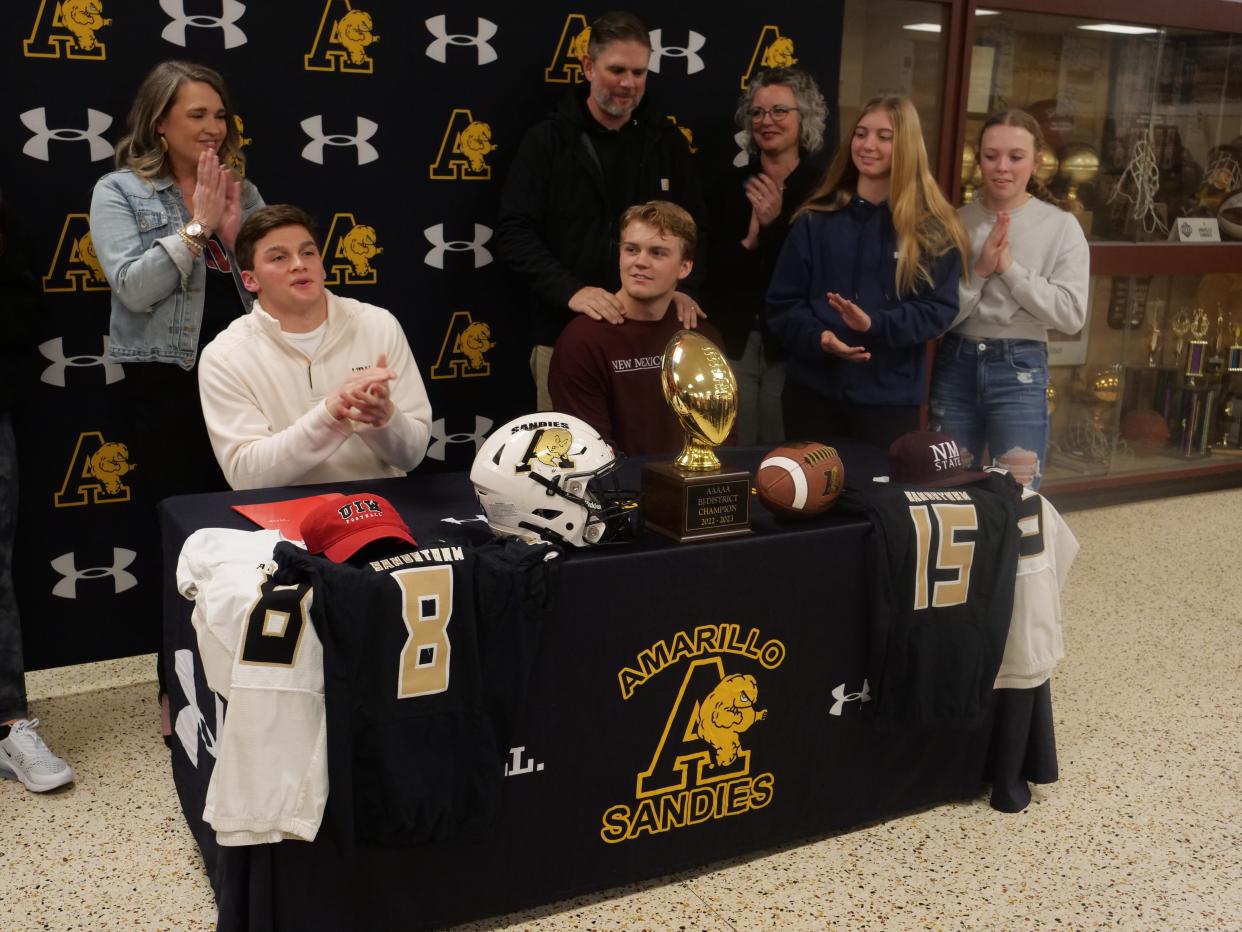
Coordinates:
576 172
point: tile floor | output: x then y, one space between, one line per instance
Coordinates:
1144 830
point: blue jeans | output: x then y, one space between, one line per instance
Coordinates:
12 665
760 382
992 394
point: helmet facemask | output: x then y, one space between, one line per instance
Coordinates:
612 513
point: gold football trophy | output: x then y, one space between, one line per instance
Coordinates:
695 497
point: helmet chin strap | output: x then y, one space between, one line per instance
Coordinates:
545 533
554 488
552 485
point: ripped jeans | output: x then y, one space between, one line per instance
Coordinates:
991 394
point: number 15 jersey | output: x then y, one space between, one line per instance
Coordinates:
943 562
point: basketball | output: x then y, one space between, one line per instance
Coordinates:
800 478
1145 430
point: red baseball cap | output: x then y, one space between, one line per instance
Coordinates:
928 458
340 526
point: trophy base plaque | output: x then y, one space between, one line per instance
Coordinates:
689 505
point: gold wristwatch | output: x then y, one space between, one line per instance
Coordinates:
194 234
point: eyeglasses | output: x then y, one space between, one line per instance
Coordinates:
777 113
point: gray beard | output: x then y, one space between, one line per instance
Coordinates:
604 102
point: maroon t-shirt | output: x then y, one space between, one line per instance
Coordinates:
609 375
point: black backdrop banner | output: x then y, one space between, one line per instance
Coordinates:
393 123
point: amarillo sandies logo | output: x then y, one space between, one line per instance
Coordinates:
566 65
75 267
550 446
700 768
349 249
95 473
342 39
465 343
771 51
463 150
68 26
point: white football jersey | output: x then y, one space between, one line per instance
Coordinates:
1045 551
260 651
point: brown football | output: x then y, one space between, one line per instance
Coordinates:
800 478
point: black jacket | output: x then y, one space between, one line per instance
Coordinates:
558 217
737 285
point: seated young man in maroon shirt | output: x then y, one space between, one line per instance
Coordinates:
609 374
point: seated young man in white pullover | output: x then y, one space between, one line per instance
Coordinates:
308 387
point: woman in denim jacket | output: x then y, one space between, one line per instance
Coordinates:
163 227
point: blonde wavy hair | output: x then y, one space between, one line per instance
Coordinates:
140 150
927 225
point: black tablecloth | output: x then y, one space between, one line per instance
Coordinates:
607 787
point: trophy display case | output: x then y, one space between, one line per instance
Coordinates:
1156 389
1143 121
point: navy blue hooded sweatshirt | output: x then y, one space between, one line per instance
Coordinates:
852 251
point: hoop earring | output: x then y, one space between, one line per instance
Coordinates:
163 143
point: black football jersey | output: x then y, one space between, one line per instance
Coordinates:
942 564
419 647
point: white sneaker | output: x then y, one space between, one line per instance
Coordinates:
24 755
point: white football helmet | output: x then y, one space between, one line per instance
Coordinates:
541 477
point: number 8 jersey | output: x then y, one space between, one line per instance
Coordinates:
260 652
420 650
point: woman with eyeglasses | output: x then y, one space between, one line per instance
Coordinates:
163 226
782 114
868 275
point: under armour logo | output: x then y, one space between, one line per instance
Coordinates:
690 52
741 137
190 721
37 145
54 351
839 694
435 255
440 440
438 49
230 12
313 151
66 565
459 521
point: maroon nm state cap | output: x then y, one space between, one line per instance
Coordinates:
340 526
928 458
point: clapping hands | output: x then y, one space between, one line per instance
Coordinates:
994 257
364 396
856 319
